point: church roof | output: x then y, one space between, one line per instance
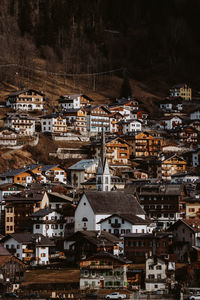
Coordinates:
114 202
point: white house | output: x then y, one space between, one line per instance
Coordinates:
54 123
48 223
131 126
170 122
73 101
119 224
95 206
195 114
54 173
8 137
22 123
98 119
172 105
160 274
30 248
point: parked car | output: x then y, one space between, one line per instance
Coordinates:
195 297
115 295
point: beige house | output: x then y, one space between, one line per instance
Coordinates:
26 100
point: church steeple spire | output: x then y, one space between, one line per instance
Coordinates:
103 178
103 147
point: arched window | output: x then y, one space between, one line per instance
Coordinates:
84 219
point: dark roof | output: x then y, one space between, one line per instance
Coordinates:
133 219
105 254
16 93
157 235
4 251
48 167
42 212
30 238
58 197
113 202
97 238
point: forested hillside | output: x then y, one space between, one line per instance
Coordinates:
92 36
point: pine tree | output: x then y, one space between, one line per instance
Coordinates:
125 91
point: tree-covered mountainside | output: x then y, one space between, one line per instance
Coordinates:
152 39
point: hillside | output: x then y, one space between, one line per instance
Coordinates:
74 46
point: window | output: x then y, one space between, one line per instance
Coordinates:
37 226
159 276
43 254
151 267
158 267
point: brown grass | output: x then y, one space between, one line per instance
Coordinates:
51 276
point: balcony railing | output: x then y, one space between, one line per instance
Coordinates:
115 225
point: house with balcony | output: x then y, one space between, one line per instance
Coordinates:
54 174
170 122
26 100
95 206
98 119
19 206
48 222
75 101
32 249
159 275
138 246
8 137
103 270
144 144
76 119
115 119
186 234
117 151
181 90
171 164
129 126
160 202
23 124
12 270
54 124
119 224
89 242
172 105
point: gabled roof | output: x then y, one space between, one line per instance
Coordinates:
48 167
29 238
12 173
113 202
58 197
105 254
83 164
42 212
16 93
133 219
94 237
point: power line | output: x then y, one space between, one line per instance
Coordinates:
64 74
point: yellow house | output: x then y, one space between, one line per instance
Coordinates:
171 165
181 90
